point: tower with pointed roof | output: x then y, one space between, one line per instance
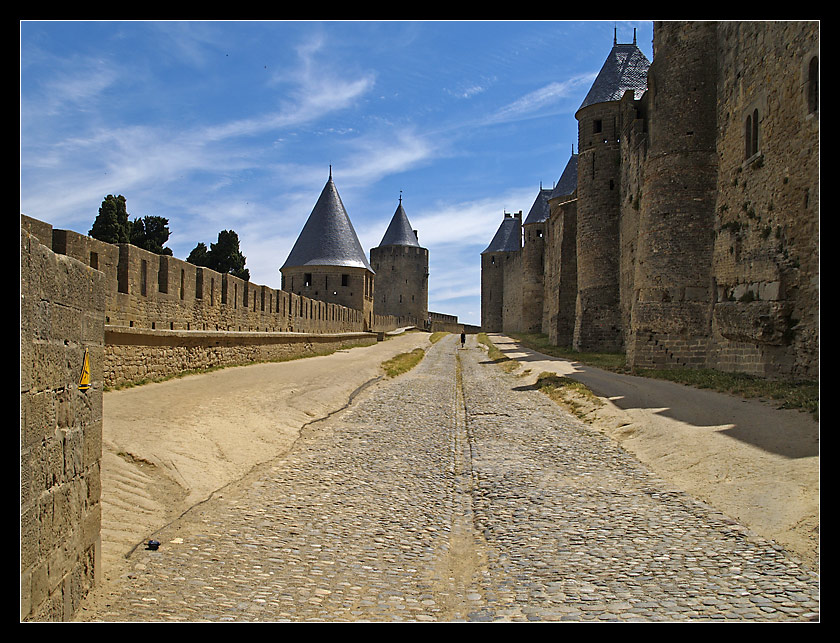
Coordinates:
402 272
327 262
598 324
499 260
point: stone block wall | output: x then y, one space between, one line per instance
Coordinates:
766 245
62 312
513 297
560 284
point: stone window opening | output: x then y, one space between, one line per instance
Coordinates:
751 134
813 89
345 279
307 279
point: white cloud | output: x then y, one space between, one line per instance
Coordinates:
546 96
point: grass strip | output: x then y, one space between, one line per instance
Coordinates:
801 395
569 393
403 362
496 356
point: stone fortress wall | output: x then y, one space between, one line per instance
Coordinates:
692 239
164 315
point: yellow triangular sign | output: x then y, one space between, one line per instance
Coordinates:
84 378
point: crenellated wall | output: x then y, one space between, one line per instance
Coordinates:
164 315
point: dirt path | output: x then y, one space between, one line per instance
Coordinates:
757 464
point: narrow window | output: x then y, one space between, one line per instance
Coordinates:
199 283
144 267
163 275
748 137
597 126
307 279
344 280
813 86
94 260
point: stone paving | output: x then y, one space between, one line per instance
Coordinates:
454 493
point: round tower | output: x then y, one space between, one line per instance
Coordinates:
402 272
670 317
598 313
327 262
505 247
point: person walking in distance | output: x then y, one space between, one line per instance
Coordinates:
463 339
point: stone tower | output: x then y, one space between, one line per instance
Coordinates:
402 271
500 259
327 262
533 262
673 285
598 316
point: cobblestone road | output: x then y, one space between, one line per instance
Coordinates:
454 493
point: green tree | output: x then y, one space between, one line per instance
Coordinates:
151 233
112 224
223 256
198 255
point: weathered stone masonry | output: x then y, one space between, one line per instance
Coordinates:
695 215
62 310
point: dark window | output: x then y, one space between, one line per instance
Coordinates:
813 85
344 280
307 279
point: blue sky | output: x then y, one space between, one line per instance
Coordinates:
233 125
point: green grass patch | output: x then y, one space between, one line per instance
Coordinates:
614 362
436 337
804 396
496 356
403 362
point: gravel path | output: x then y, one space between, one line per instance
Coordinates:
456 493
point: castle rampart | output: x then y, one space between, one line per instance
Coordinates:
164 315
695 219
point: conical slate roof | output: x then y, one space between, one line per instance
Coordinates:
508 236
540 210
625 68
328 237
568 180
399 232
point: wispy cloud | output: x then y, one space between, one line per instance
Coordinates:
536 101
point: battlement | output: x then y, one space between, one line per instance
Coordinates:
171 300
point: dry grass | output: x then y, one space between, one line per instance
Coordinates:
403 362
496 356
569 393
